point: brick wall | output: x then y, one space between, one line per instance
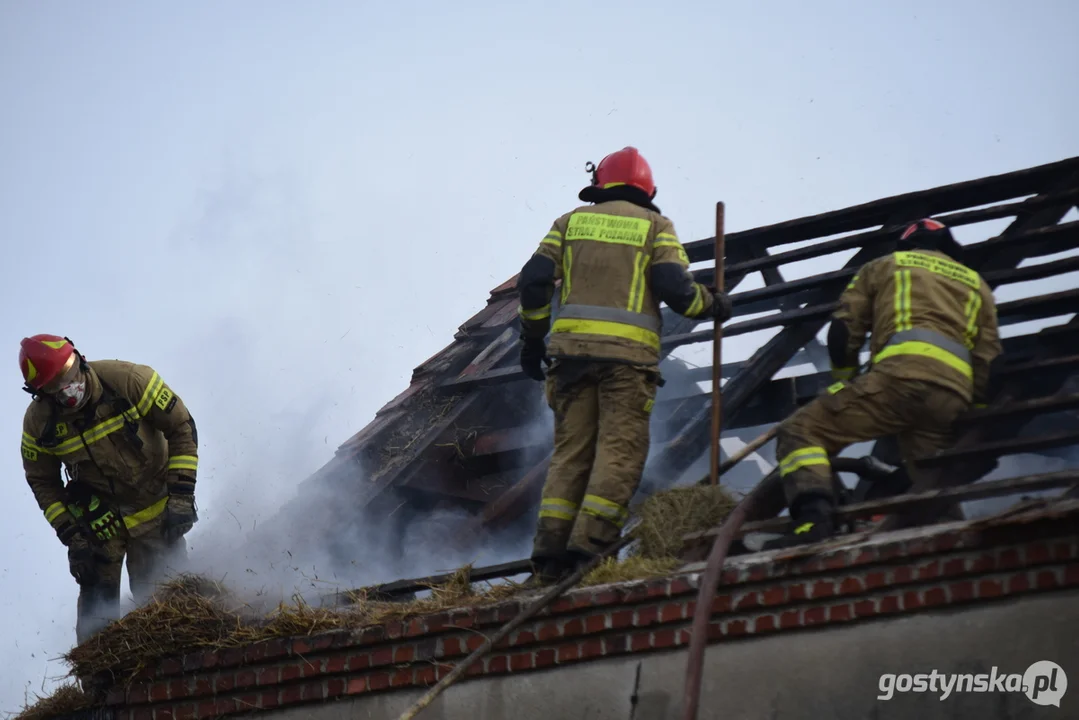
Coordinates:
917 573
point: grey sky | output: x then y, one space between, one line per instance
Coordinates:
285 207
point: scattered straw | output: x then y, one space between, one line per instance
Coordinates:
632 568
65 700
669 515
193 613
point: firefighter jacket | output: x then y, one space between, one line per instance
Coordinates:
615 261
931 319
121 446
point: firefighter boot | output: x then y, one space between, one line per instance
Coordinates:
548 570
811 520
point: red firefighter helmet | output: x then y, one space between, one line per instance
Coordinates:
625 167
44 358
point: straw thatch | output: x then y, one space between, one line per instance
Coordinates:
65 700
666 517
194 613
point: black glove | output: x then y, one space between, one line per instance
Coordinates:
82 560
180 513
721 305
533 355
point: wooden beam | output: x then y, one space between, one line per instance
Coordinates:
909 501
896 209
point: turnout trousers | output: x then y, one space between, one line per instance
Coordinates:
601 438
874 405
148 557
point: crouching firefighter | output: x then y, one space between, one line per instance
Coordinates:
129 449
934 335
616 258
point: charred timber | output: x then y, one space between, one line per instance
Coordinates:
1016 311
898 209
911 501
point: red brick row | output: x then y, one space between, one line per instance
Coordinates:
246 689
1037 552
304 661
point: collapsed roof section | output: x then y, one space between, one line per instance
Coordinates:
472 432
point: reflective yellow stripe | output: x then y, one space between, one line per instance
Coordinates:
184 462
853 280
153 389
602 508
803 457
803 528
108 426
974 306
940 266
636 285
146 514
54 511
697 305
902 300
599 227
537 314
836 387
610 329
567 262
552 238
924 349
843 373
558 508
97 432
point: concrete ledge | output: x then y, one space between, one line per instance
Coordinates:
945 567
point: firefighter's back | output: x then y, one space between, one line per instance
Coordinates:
925 322
607 310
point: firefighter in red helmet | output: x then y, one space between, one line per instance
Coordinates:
129 449
615 259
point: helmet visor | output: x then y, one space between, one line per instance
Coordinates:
70 374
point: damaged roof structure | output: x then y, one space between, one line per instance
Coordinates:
465 436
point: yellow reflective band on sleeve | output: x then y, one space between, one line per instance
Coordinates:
608 328
667 240
974 306
30 450
552 238
940 266
146 514
558 508
602 508
153 388
636 285
697 305
599 227
184 462
836 387
803 457
803 528
853 280
924 349
902 300
54 511
537 314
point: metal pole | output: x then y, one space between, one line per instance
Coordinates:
717 350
